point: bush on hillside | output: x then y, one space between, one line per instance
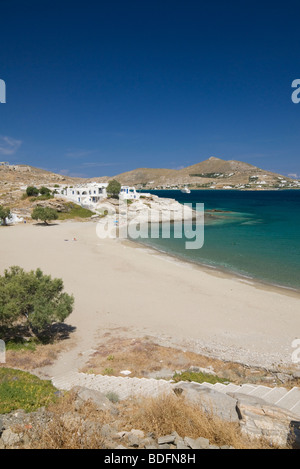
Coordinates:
32 191
45 191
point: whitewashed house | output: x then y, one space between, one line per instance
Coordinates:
90 194
86 194
128 193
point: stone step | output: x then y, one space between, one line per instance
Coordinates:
220 387
123 386
290 400
296 409
260 391
230 388
208 385
275 394
65 382
246 388
126 387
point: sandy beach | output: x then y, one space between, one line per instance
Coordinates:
118 284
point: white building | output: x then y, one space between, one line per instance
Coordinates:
128 193
86 194
90 194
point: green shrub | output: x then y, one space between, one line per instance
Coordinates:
21 390
75 211
32 191
113 189
43 197
112 397
20 344
4 214
32 299
45 214
45 191
197 377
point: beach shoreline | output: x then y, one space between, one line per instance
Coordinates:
122 284
217 270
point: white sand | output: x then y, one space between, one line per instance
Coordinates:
117 284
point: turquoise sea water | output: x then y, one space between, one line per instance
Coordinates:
257 235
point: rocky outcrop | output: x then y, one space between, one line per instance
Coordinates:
133 219
20 430
100 401
146 209
159 209
56 204
209 400
138 439
257 418
260 419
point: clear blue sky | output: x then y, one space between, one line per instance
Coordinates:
96 88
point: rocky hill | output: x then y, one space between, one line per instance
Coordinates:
213 173
28 175
14 179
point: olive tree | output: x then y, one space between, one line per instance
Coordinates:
32 299
45 214
113 189
4 214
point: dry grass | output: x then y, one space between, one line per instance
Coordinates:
144 357
165 415
28 360
71 428
29 353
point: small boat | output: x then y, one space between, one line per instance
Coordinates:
185 190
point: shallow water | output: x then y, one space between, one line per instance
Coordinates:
256 234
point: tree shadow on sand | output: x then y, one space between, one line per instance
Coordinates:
57 332
20 334
45 224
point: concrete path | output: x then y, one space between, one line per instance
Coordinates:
126 387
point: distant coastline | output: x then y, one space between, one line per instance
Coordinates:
212 173
227 190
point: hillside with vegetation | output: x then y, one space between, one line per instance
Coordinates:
213 173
